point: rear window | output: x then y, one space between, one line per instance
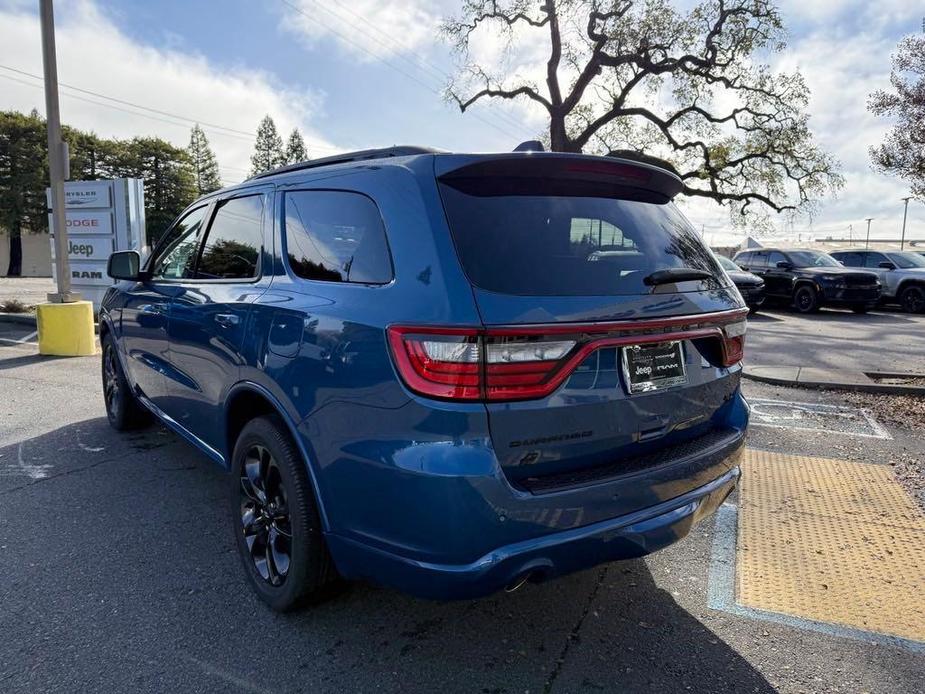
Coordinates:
550 245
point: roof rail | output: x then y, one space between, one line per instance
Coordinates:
346 157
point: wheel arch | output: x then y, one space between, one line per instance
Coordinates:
248 400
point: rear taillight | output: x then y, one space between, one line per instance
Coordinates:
733 342
531 362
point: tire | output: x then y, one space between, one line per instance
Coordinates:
860 308
806 299
123 409
912 299
753 309
275 519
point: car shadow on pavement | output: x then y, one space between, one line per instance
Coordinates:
127 536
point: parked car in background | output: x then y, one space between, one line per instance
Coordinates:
810 279
902 274
750 286
418 371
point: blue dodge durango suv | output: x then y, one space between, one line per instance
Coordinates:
447 373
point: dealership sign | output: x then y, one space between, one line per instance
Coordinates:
101 217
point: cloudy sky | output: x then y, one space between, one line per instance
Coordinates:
369 73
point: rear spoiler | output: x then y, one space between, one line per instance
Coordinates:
556 173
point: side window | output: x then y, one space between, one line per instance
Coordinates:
851 259
235 239
743 258
336 236
759 259
775 258
176 256
874 259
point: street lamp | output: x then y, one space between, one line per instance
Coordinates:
867 242
902 241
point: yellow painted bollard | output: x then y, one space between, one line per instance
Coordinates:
66 330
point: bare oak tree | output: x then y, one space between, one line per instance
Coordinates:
690 88
903 150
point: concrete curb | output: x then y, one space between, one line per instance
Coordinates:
18 318
816 379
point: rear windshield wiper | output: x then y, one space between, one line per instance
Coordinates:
676 274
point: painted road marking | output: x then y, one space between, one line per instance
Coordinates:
23 469
27 340
810 416
823 544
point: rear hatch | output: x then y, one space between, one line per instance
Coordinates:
561 251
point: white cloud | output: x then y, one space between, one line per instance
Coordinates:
367 29
94 54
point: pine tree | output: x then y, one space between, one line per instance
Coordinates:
295 148
205 166
268 150
170 184
23 177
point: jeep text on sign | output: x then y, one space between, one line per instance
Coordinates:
88 248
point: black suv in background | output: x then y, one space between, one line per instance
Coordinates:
750 286
811 279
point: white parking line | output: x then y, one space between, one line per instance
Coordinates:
23 469
816 417
27 340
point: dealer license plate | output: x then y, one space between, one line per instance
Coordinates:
653 366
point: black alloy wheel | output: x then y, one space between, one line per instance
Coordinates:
276 522
912 299
122 407
265 519
806 299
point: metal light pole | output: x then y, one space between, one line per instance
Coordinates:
56 155
902 241
867 242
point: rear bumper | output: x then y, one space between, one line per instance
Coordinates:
624 537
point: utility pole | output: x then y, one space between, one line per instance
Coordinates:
56 156
902 242
867 243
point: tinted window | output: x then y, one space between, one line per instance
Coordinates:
336 236
812 259
874 260
905 261
850 259
176 255
759 259
743 258
232 248
561 245
775 258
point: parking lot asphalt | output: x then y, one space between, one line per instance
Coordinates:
882 340
118 573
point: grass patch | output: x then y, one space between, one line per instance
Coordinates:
14 306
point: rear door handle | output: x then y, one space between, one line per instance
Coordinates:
226 320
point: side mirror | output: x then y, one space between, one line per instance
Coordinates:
887 265
124 265
784 265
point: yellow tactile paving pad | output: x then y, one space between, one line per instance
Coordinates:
830 540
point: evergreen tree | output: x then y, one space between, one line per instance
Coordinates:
295 148
205 166
268 150
167 172
23 177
